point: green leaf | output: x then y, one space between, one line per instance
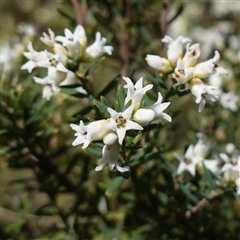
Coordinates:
93 67
156 80
188 193
102 107
114 185
105 101
109 86
38 108
67 16
208 176
83 112
121 95
72 92
94 152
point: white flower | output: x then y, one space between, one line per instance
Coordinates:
75 42
120 122
57 61
229 100
238 185
204 93
86 134
34 58
110 158
135 92
231 168
175 47
97 49
215 80
203 145
158 109
158 63
49 39
205 69
182 74
192 54
188 162
212 165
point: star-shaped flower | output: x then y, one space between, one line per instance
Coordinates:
229 100
75 42
205 69
120 122
34 58
204 93
231 168
97 49
175 47
135 92
182 74
188 161
86 134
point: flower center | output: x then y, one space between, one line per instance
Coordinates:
187 161
53 62
181 71
121 122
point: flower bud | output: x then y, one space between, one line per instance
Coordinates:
110 138
158 63
144 116
191 56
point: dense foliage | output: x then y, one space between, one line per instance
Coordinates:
171 123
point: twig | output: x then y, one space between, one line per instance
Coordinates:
163 22
213 194
124 38
79 12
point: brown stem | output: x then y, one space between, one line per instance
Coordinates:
163 22
124 38
79 12
213 194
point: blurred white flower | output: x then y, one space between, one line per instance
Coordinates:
175 47
75 42
188 161
231 168
34 58
120 122
48 39
238 185
158 63
212 165
110 158
204 93
97 49
229 100
57 61
203 145
27 29
191 56
215 80
205 69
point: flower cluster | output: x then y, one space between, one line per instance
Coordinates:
227 165
67 50
186 70
112 131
